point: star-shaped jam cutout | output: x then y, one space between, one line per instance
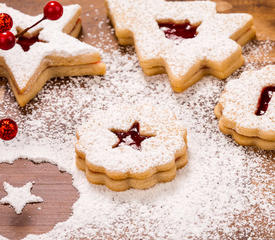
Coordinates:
18 197
132 137
50 49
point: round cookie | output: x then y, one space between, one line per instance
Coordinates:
246 109
131 146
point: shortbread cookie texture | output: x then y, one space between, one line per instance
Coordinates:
131 147
48 50
185 39
246 109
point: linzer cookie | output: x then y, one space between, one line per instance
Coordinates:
48 50
187 40
131 147
246 109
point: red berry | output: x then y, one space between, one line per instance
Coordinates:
8 129
7 40
53 10
5 22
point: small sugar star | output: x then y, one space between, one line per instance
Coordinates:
18 197
132 137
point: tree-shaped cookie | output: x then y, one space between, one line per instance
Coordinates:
48 50
185 39
246 109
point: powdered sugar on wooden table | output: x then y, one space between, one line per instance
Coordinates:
224 191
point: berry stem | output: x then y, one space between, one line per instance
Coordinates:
27 29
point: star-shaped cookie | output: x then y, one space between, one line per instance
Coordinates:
57 53
209 42
18 197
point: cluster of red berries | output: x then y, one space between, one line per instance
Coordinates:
53 10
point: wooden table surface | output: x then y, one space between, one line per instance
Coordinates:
55 187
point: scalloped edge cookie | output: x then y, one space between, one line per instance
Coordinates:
148 169
130 182
236 109
239 138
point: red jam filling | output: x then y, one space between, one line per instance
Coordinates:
25 42
178 30
132 137
264 100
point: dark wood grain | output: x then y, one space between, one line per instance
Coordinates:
56 187
53 186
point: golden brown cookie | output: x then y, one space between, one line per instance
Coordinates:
187 40
54 52
246 109
131 147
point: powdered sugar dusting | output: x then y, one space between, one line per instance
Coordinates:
213 43
55 43
97 141
225 190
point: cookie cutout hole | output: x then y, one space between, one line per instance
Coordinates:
176 31
53 186
264 100
27 40
132 137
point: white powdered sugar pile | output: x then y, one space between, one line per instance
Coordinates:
224 192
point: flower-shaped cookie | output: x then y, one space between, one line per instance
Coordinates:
246 109
131 146
186 39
